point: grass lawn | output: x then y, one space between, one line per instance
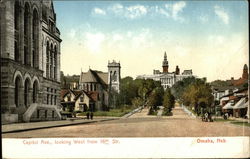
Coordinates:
111 112
241 123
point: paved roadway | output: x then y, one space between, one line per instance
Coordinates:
142 125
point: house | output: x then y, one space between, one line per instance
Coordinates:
236 103
76 100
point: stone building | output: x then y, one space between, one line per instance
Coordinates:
30 61
167 79
98 84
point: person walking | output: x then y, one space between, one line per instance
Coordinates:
87 115
91 115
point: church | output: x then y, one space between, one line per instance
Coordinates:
99 85
30 61
167 79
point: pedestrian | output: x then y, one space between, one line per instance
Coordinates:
87 115
91 115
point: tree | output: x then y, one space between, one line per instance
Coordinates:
168 102
198 95
156 97
178 88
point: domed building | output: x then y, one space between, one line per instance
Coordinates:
167 79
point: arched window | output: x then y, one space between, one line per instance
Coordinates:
51 61
47 60
26 34
17 90
35 37
17 24
35 91
55 62
26 92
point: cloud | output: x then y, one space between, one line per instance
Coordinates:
170 10
221 14
93 41
136 11
130 12
177 8
98 11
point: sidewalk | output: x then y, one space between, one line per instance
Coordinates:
8 128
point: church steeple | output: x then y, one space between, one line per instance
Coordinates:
245 72
165 63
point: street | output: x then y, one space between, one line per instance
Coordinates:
141 125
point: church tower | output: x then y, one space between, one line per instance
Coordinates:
245 72
114 75
165 64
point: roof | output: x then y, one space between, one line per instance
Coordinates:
239 82
93 76
64 92
88 77
93 95
243 90
228 106
78 93
104 77
240 104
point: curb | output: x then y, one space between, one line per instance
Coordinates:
69 124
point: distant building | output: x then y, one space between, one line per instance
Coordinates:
30 61
231 85
167 79
70 82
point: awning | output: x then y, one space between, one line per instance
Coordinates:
228 106
240 104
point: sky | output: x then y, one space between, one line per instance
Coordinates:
209 37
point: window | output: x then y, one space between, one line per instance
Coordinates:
51 101
17 90
46 113
35 91
55 100
35 36
47 60
55 62
68 97
38 113
81 99
51 60
47 98
17 23
26 92
26 34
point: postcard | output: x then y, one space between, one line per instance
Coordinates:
124 79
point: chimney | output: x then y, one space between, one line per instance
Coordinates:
232 78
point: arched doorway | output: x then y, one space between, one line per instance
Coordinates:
35 91
17 91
